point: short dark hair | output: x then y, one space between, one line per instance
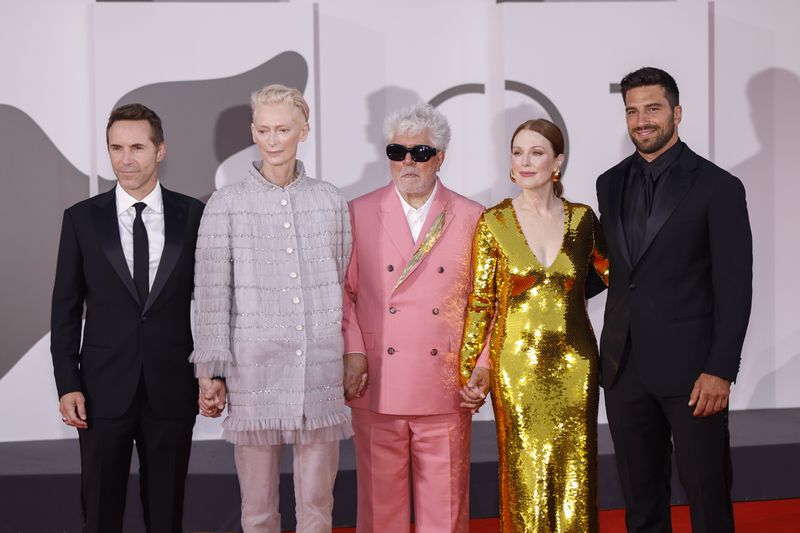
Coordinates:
138 112
652 76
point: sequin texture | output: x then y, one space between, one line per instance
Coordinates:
544 368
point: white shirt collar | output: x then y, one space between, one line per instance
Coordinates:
125 201
409 209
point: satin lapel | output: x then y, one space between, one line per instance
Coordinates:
174 238
394 221
677 185
616 188
104 215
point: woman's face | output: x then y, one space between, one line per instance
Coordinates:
533 160
277 130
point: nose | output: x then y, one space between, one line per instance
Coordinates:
407 161
127 157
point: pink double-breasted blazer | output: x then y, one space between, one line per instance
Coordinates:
410 333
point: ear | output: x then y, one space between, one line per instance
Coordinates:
559 161
677 113
161 152
253 132
440 157
304 132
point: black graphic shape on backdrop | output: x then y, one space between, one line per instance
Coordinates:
518 87
38 184
207 121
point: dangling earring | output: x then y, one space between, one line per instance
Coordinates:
511 176
556 175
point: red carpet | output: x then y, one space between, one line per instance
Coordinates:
776 516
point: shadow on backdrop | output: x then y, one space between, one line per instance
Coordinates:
775 112
203 120
38 184
380 104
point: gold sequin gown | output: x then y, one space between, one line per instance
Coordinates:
544 372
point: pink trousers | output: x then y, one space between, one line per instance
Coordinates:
430 451
258 468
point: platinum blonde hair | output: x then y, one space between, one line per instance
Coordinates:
419 118
276 93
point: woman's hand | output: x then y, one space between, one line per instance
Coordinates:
474 392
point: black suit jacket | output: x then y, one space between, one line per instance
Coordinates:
685 301
123 338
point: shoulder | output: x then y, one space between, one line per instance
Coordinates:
192 202
98 200
370 199
718 178
464 204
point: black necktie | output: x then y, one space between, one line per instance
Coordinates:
640 212
648 184
141 254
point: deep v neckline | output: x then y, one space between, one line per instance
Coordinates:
525 239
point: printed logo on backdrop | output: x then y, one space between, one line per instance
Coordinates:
207 121
39 182
518 87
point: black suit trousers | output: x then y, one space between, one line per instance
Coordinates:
641 426
163 446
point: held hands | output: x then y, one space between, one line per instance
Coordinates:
356 377
474 392
211 400
709 395
73 409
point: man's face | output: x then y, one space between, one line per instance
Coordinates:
652 123
277 130
134 156
411 178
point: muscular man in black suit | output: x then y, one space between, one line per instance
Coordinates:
128 256
680 247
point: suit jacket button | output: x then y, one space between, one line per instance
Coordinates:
632 286
434 352
390 268
435 311
390 351
441 269
144 319
393 309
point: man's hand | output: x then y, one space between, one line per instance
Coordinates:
356 378
474 392
212 397
73 409
709 395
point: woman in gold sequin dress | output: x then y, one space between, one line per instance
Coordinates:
532 257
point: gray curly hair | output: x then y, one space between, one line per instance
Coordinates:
419 118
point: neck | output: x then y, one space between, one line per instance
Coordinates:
281 175
540 200
142 192
417 200
652 156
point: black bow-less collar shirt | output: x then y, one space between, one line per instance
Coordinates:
637 201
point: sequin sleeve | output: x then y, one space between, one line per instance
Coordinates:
597 279
481 304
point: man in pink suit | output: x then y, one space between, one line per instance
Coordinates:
406 290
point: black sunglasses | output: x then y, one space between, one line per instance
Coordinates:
419 153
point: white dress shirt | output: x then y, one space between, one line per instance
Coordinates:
414 216
153 218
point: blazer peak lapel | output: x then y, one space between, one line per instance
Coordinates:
615 192
106 224
174 239
678 183
395 223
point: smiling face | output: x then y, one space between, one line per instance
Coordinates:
652 123
533 160
415 180
134 156
277 130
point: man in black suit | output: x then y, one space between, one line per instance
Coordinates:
679 243
128 256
